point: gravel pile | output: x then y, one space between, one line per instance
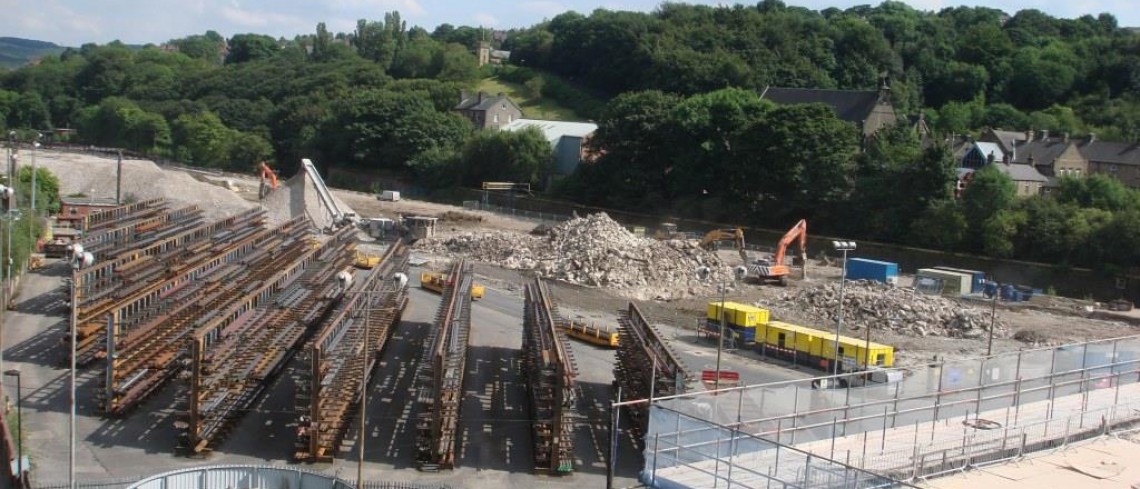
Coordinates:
299 196
96 177
883 307
594 251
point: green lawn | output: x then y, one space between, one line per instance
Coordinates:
532 108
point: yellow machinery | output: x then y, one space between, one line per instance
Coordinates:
435 281
668 230
712 238
365 261
591 334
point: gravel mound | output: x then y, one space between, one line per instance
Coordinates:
299 196
594 251
883 307
96 177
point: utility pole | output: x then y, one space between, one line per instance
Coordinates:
993 318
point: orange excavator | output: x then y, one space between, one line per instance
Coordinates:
775 269
268 180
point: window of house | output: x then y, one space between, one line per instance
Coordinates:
496 118
841 354
1112 168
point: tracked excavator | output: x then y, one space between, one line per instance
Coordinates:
268 180
775 269
712 238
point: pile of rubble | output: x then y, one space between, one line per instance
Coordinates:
594 251
884 307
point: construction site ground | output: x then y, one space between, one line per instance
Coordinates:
497 446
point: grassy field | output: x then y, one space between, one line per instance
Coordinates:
532 108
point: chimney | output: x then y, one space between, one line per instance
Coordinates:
1066 139
1012 150
1029 136
463 96
990 158
481 95
1044 134
1092 137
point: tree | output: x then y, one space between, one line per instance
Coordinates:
941 226
251 47
47 187
456 63
513 156
29 111
797 162
989 193
202 139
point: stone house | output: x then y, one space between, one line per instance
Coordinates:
869 110
487 111
1118 160
1026 177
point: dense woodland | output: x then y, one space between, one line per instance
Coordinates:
682 130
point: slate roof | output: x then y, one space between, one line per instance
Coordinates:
850 105
471 102
1111 152
1017 173
1022 173
1005 138
1043 152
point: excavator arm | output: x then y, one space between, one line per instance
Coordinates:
776 269
267 175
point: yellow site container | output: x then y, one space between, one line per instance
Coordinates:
738 314
817 344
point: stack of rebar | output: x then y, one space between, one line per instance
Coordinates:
550 379
127 287
236 353
644 360
437 428
141 359
339 360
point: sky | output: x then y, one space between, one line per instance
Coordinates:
74 22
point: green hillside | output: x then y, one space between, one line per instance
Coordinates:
16 52
532 107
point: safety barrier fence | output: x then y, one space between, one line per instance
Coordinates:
939 418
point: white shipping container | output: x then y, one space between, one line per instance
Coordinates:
389 195
953 283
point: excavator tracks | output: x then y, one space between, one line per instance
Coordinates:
641 350
340 358
550 379
437 429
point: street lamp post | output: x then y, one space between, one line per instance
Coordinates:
842 246
704 273
19 427
79 259
993 317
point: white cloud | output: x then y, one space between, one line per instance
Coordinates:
485 19
405 7
250 18
545 8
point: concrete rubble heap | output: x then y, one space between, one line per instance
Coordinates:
593 250
885 307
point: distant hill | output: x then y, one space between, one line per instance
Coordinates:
16 52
